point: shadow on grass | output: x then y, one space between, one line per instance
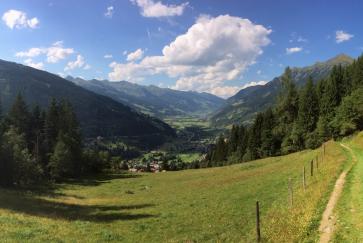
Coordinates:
19 202
96 180
30 201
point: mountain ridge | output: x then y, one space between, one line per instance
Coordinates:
98 115
243 106
153 100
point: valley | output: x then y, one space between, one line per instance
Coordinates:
181 121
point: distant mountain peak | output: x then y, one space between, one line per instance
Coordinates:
340 59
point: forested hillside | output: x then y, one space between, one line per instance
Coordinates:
243 107
41 144
303 117
98 115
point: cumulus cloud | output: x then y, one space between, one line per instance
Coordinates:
341 36
78 63
225 91
107 56
212 51
18 19
29 62
228 91
293 50
54 53
152 9
136 55
109 12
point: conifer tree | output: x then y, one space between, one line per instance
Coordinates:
19 116
308 108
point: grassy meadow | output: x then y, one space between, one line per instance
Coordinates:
205 205
349 211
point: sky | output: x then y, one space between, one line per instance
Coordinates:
215 46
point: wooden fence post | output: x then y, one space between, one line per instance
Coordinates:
317 164
258 231
304 181
324 148
291 193
312 168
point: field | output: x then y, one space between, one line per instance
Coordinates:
349 212
205 205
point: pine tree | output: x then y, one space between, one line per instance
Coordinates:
51 126
220 153
254 138
233 139
242 142
308 108
19 117
60 164
269 145
287 105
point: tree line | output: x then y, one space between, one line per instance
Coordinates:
38 145
302 118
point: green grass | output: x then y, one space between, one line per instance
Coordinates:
189 157
205 205
185 121
349 210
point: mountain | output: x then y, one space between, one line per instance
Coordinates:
98 115
159 102
242 107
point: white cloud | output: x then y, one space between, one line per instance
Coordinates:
225 91
228 91
78 63
293 50
32 52
211 52
152 9
87 67
18 19
54 53
29 62
341 36
107 56
109 12
254 83
136 55
132 72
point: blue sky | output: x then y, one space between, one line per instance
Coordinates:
204 45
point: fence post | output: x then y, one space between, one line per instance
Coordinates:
312 168
258 231
291 193
324 148
304 182
317 164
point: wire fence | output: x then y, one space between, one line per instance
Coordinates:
300 182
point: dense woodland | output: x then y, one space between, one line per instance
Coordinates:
38 145
302 118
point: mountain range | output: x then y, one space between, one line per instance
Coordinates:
153 100
98 115
243 106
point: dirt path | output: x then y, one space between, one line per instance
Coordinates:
327 223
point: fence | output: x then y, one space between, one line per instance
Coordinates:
313 162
